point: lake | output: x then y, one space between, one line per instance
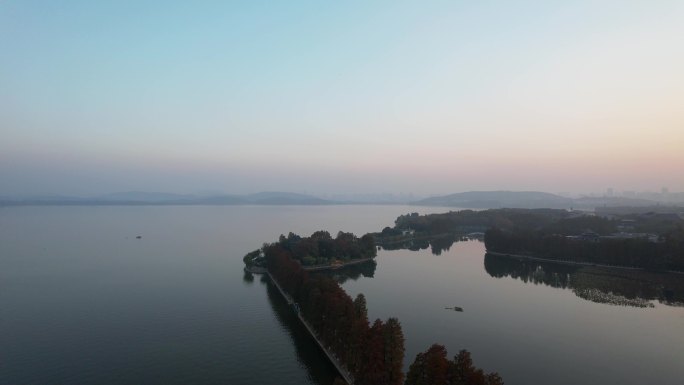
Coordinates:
83 301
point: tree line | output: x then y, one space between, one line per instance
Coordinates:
554 234
372 353
432 367
667 254
321 248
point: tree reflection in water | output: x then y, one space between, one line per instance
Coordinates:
353 272
309 355
437 244
597 284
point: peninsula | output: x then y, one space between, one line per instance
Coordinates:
652 240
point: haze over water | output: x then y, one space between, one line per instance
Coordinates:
84 301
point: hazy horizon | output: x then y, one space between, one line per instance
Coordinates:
395 97
153 197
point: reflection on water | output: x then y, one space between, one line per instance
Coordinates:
554 275
80 297
601 285
437 244
309 355
622 287
175 307
532 327
353 272
248 278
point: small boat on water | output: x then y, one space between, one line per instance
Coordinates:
455 308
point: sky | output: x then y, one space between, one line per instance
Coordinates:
422 97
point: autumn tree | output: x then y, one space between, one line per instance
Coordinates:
394 352
372 368
433 368
429 368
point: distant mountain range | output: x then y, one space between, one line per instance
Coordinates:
266 198
470 199
498 199
528 200
140 196
154 198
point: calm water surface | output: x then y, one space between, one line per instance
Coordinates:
83 301
525 328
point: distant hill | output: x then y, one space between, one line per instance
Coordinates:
468 200
153 198
530 200
265 198
140 196
285 198
498 199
